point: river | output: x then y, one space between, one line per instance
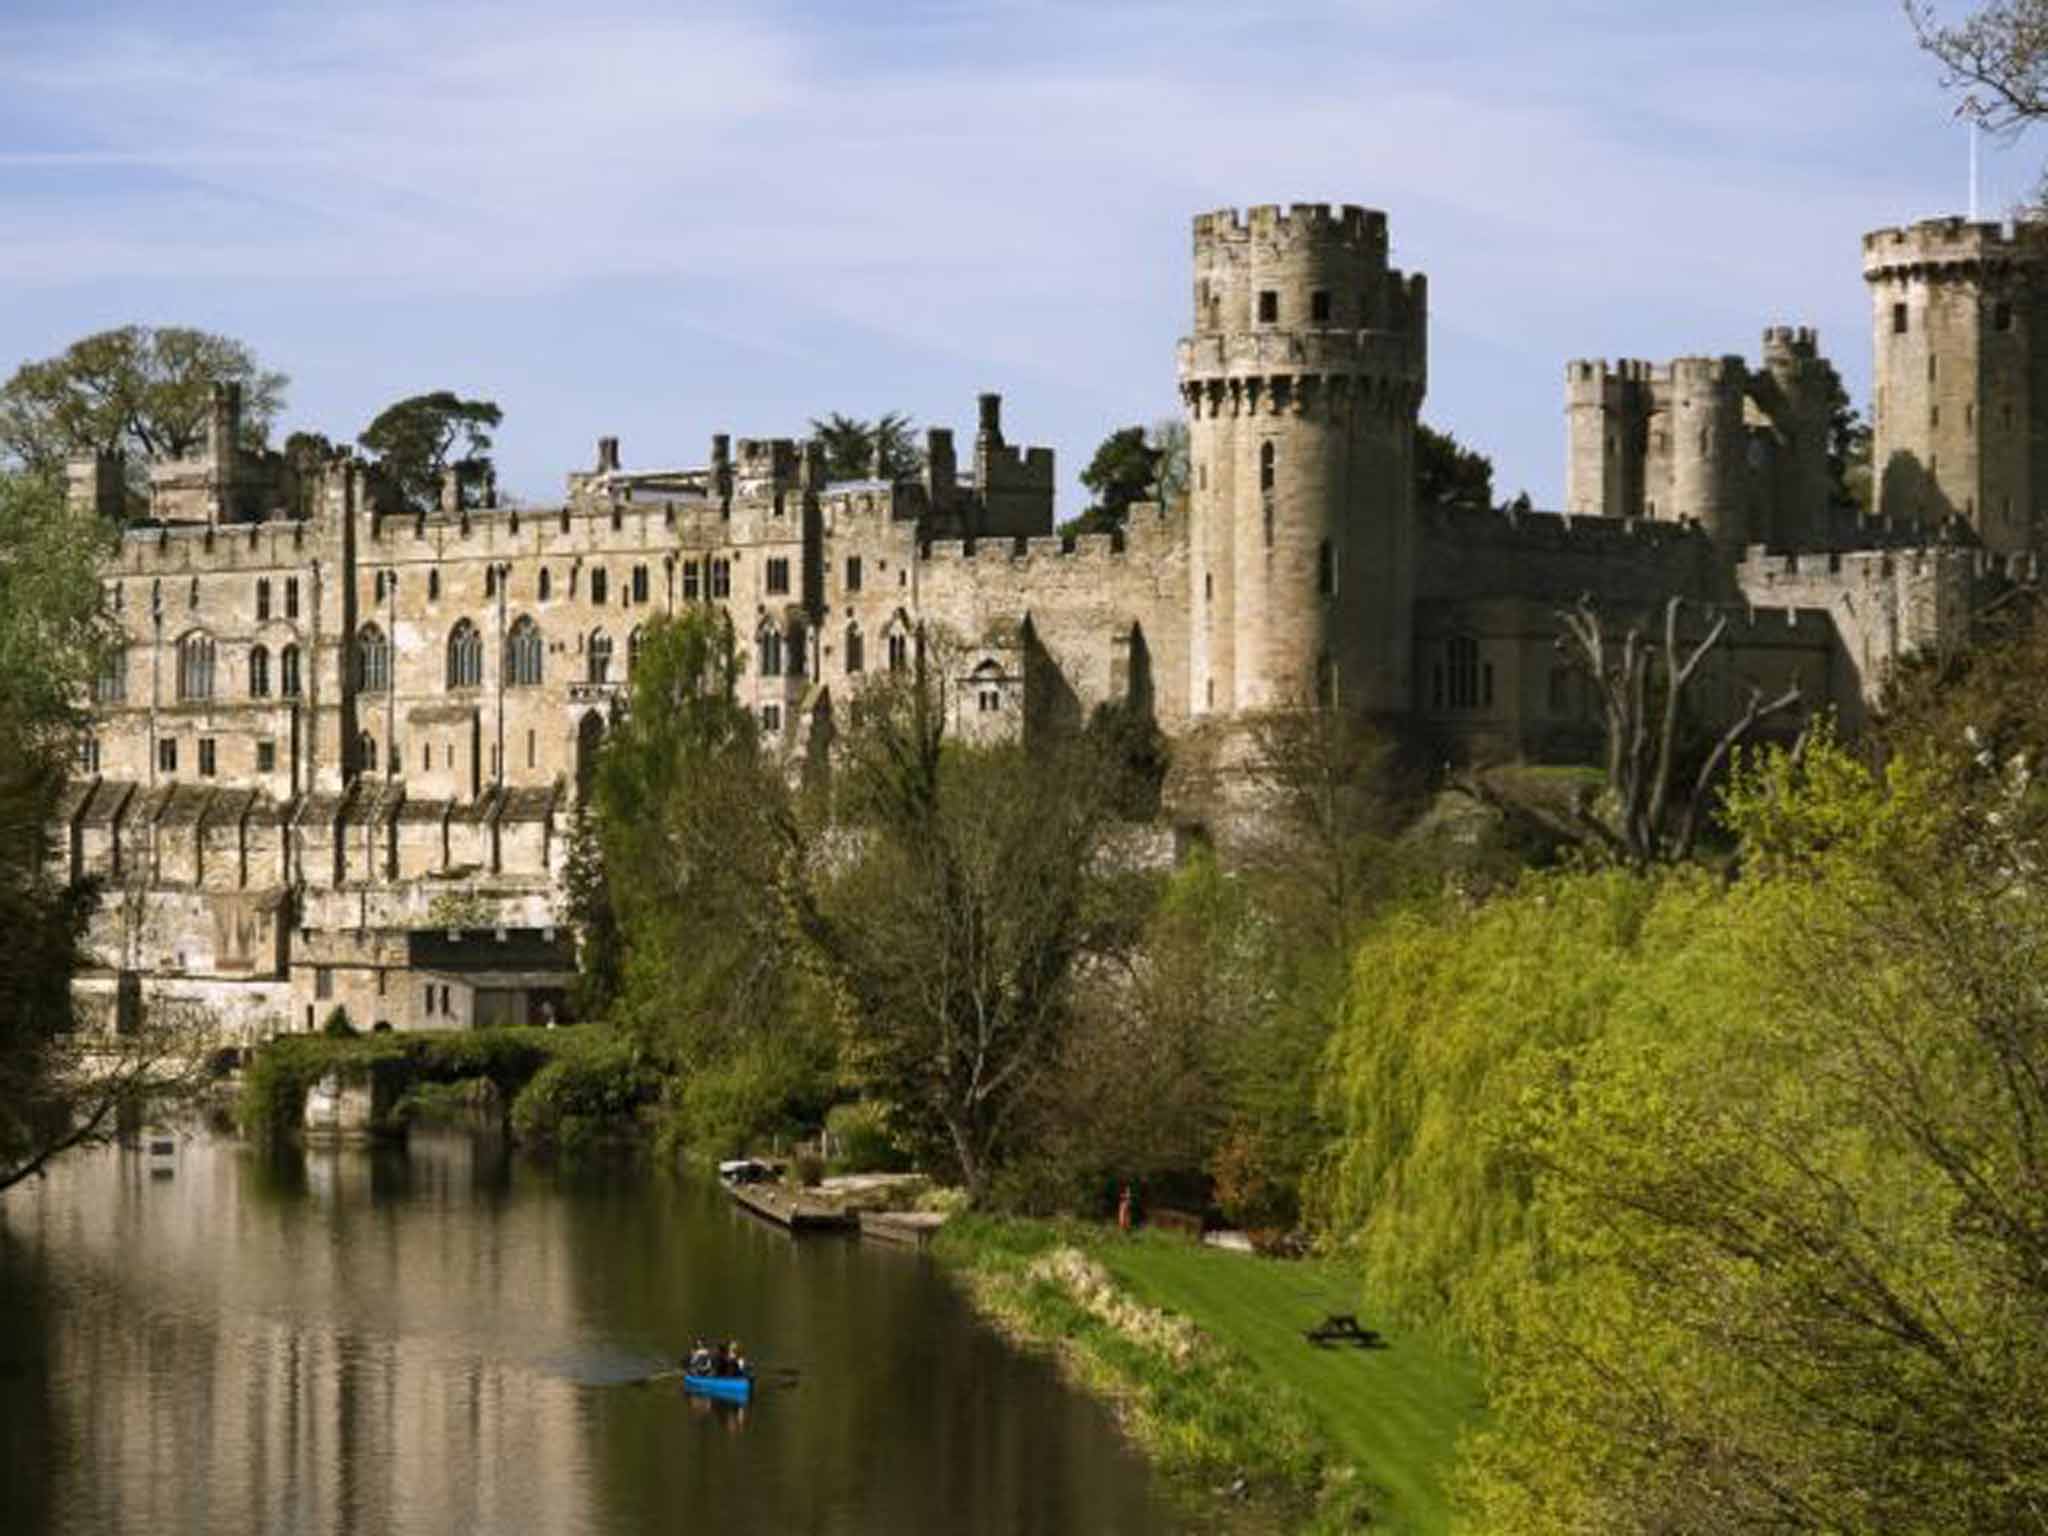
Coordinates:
449 1338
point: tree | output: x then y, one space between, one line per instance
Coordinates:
1168 437
1124 471
1998 58
1448 474
144 392
58 1087
307 454
852 445
951 915
1849 469
423 435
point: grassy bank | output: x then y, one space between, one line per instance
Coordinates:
555 1082
1202 1353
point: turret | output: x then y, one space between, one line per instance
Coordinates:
1302 380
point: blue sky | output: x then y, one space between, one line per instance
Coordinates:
661 221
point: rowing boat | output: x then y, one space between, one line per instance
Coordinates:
733 1389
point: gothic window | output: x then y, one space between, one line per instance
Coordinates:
639 583
259 673
778 578
373 661
263 600
291 597
899 651
288 672
769 645
195 667
599 586
721 578
856 649
1326 569
689 581
523 650
853 573
1463 672
771 717
546 584
88 754
111 687
465 656
634 642
600 657
366 753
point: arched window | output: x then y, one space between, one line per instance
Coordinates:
856 649
523 649
288 671
465 656
373 660
195 666
111 687
799 643
899 651
633 643
769 645
600 653
366 753
546 583
1462 655
259 673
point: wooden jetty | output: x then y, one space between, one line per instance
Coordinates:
790 1208
913 1229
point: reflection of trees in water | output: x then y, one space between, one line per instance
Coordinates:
33 1436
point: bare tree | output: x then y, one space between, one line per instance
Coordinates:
1997 57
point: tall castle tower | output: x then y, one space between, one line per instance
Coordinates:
1960 313
1302 382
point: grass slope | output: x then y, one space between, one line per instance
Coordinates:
1395 1412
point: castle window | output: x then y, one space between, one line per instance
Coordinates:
291 597
1933 366
195 667
266 757
288 672
1266 459
990 701
618 519
853 573
1202 476
799 645
207 762
366 753
600 657
600 586
689 581
1319 306
546 584
377 587
1326 569
1934 416
639 583
721 578
167 754
120 597
1462 656
856 649
899 651
433 586
1208 586
88 755
373 660
1898 319
490 581
259 673
532 747
192 594
465 656
778 578
771 717
427 757
768 645
2001 316
1269 306
111 686
523 649
263 600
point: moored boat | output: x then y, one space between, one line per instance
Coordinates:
733 1389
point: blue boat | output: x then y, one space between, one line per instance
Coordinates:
733 1389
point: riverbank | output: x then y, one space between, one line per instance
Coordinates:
1201 1352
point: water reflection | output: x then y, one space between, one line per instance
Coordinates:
446 1339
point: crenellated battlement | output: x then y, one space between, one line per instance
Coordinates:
1791 343
1623 537
1347 226
1951 245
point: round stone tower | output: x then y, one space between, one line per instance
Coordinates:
1709 464
1961 389
1302 381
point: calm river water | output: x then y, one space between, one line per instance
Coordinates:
448 1339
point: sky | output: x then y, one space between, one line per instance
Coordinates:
658 222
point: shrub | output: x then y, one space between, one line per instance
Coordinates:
338 1026
577 1100
860 1132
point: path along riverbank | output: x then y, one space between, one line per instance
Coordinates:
1202 1354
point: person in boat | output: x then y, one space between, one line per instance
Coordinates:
735 1359
699 1363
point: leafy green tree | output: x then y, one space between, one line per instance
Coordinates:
421 436
143 391
1448 474
1124 471
852 444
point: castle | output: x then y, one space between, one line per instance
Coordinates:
337 762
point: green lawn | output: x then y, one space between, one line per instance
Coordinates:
1396 1411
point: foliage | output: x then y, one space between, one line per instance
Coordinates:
582 1098
1988 692
459 908
855 449
337 1025
419 437
1129 746
1124 471
141 391
601 942
1448 474
1168 437
862 1141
